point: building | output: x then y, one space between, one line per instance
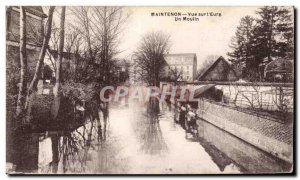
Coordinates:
70 64
69 60
220 70
280 70
34 36
121 70
181 66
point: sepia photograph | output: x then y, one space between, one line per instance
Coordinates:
150 90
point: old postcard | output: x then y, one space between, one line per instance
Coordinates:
149 90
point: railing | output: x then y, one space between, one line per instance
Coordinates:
242 83
249 111
255 95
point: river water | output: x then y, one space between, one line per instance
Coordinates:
139 139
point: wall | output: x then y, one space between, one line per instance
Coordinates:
185 63
250 158
270 136
195 68
34 27
221 72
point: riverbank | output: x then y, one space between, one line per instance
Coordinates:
270 136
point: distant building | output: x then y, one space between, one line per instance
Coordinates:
280 70
122 70
220 70
123 65
132 73
136 74
69 64
184 65
69 60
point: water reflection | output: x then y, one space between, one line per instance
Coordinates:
63 150
135 138
27 153
70 149
148 129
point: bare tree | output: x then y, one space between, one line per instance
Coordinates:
111 21
82 22
39 65
23 62
53 44
100 28
60 51
149 56
54 39
71 49
71 38
175 74
72 44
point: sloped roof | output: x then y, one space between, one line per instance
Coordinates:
36 10
122 62
280 66
66 55
181 54
201 89
210 68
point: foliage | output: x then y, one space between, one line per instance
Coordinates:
259 41
80 91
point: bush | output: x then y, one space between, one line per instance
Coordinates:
79 91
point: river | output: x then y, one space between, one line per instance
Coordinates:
138 139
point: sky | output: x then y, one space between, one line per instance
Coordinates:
209 36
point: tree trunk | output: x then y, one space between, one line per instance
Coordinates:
37 74
8 20
60 52
23 63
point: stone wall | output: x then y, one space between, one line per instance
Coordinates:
270 136
250 158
